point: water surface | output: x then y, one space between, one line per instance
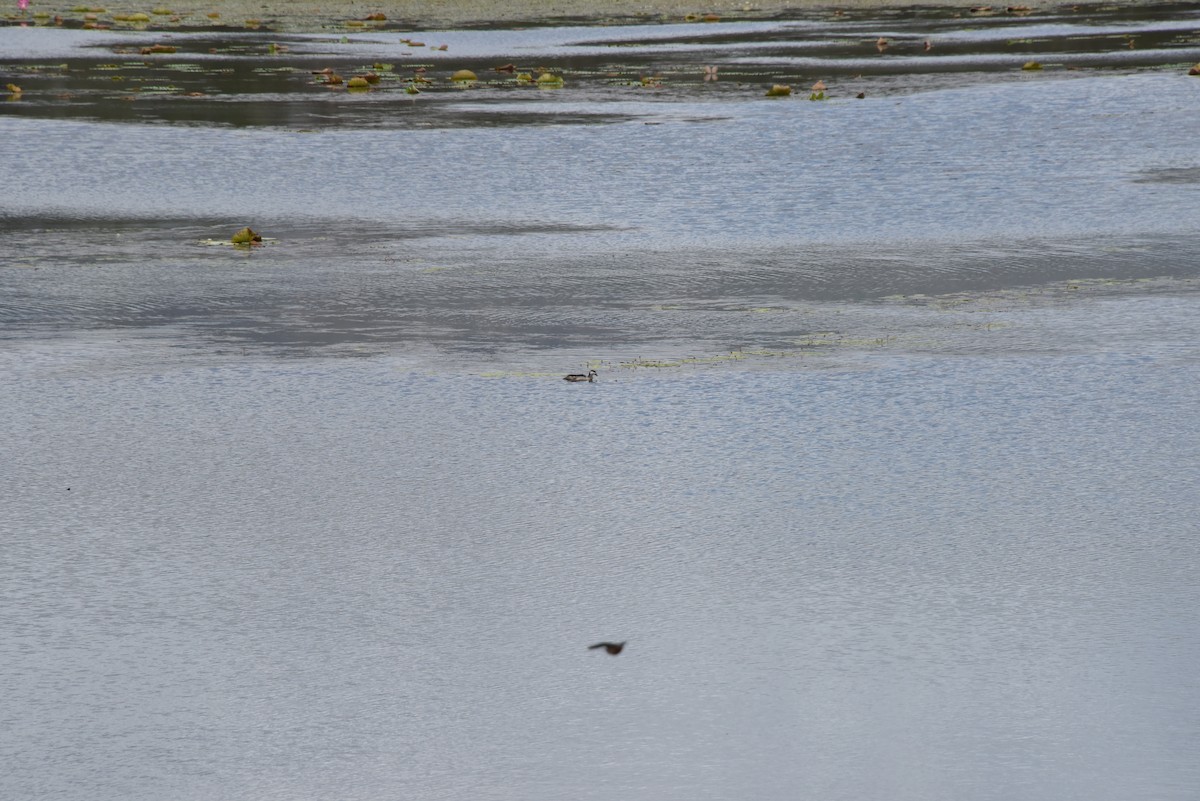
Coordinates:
888 478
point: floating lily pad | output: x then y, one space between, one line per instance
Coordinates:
464 76
358 82
779 90
246 236
1031 65
548 80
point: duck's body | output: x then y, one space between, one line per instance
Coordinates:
591 376
612 648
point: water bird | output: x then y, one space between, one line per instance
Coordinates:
612 648
591 376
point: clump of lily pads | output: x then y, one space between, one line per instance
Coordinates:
779 90
247 236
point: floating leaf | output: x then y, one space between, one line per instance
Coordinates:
358 82
524 77
1194 70
246 236
1031 65
779 90
549 81
463 76
137 17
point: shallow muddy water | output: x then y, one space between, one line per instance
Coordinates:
888 477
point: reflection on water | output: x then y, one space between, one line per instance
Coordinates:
273 79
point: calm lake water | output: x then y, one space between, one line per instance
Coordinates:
889 479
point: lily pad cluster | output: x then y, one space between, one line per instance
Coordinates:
247 237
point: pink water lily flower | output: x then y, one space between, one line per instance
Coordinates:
22 4
710 73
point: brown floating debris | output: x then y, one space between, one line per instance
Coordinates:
509 68
158 48
1194 70
378 16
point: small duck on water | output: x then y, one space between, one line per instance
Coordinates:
591 376
612 648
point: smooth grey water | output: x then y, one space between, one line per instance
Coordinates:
969 578
889 478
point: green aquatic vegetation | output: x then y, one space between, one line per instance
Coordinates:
358 84
549 80
464 76
246 236
1031 66
779 90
